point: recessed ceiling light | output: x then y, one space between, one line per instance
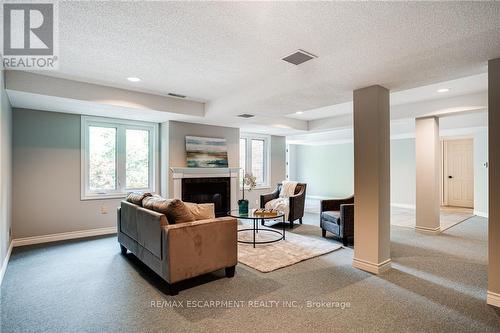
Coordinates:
133 79
299 112
443 90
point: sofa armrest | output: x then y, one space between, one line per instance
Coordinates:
330 205
334 204
118 218
347 219
195 248
264 198
297 203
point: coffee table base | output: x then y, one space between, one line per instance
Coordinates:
256 230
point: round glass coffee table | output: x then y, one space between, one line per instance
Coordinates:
256 218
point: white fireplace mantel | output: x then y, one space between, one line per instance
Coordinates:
178 173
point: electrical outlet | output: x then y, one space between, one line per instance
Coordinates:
104 209
257 202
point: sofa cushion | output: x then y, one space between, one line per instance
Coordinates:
137 197
332 227
174 209
202 211
331 216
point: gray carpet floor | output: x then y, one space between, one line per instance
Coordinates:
438 283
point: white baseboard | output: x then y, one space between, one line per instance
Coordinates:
63 236
400 205
426 230
372 267
481 214
493 299
5 262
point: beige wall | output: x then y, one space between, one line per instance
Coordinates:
5 171
481 173
278 170
177 132
46 177
494 180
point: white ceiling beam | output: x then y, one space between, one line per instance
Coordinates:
41 85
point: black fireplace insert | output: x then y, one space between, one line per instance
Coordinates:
208 190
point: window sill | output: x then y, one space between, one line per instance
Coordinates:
103 197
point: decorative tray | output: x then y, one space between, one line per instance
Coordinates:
266 212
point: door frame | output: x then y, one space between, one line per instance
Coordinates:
443 183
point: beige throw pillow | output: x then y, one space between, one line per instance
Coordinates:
202 211
156 203
137 197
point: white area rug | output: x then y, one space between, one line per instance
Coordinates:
404 217
269 257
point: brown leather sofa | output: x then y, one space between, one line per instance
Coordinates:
297 202
177 251
337 217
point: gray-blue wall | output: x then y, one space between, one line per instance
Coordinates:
328 170
5 173
46 177
403 172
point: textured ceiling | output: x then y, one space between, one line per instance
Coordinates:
459 87
228 53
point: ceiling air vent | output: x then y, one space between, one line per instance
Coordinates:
176 95
246 115
299 57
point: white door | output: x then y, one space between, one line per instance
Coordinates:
459 173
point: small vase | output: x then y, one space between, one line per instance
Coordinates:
243 206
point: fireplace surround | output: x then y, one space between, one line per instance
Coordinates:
201 185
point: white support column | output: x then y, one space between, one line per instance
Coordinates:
164 160
372 179
493 297
428 155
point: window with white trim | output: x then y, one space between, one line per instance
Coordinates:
118 156
254 157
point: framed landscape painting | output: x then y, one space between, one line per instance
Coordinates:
206 152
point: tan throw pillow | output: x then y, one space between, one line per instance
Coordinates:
137 197
202 211
174 209
178 212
